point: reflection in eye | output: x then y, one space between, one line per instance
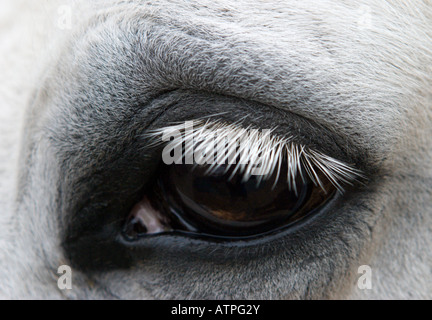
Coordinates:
229 200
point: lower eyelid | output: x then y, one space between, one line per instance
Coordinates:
188 242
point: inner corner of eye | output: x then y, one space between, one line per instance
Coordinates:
144 218
225 194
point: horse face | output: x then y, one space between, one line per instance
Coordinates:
350 80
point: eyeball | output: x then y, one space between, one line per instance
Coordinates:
226 201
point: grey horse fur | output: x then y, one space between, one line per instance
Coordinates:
83 96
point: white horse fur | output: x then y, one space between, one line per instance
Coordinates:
78 78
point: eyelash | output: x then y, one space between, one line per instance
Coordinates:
273 149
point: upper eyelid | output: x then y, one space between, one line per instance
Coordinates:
273 148
301 86
295 92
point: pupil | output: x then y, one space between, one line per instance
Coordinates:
221 203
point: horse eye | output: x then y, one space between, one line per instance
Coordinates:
236 199
221 204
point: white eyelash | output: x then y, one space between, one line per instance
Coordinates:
300 159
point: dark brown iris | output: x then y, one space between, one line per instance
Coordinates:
222 204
